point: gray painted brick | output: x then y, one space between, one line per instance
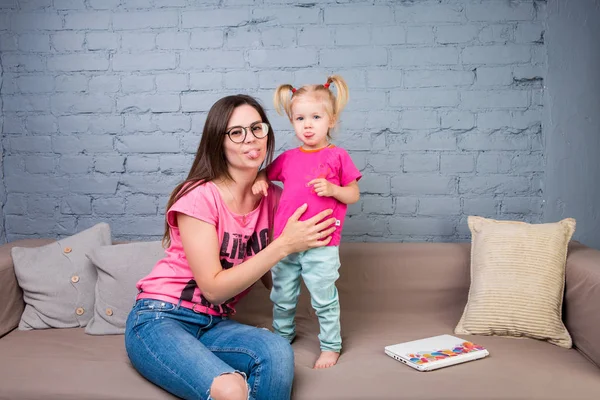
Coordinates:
141 164
494 184
149 184
528 163
27 103
81 103
455 163
422 184
70 41
175 164
432 206
23 62
521 205
388 35
278 37
173 40
146 19
405 205
378 205
272 79
493 141
34 42
41 124
97 20
106 165
352 36
212 59
69 4
104 84
172 122
198 101
529 32
214 18
385 163
500 11
427 56
76 205
110 206
354 225
379 120
30 144
374 184
493 163
40 164
93 185
437 78
494 99
421 226
147 144
370 56
497 33
482 206
206 80
82 143
42 226
137 83
75 164
357 15
205 39
78 62
425 142
297 57
285 16
416 162
458 120
423 13
315 36
102 40
148 103
140 205
144 62
450 34
134 41
16 204
424 98
71 83
505 54
172 82
35 184
419 35
419 119
241 80
494 76
41 206
384 78
35 21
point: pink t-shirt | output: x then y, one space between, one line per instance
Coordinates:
239 239
295 168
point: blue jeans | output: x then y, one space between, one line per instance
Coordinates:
183 351
318 268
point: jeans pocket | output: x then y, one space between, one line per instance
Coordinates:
148 309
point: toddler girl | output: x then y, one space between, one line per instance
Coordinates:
324 177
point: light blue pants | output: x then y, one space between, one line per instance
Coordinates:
318 268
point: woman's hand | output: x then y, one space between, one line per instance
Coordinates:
303 235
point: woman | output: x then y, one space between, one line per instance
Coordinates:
217 233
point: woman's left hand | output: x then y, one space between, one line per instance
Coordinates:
323 188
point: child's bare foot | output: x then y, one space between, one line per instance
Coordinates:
327 359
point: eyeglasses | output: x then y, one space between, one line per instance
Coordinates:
237 134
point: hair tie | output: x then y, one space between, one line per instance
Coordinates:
293 90
326 86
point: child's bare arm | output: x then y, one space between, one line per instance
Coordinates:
261 183
348 194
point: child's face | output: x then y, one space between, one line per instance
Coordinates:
311 122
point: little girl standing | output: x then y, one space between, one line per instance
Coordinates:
324 177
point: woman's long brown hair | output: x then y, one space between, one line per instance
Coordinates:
210 163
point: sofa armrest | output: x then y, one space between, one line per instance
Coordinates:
11 296
582 300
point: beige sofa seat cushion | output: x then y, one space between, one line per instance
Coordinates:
517 280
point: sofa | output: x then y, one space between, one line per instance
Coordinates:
389 293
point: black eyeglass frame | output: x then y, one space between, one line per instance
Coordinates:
265 128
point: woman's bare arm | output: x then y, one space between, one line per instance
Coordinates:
201 246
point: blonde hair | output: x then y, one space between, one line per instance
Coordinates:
334 104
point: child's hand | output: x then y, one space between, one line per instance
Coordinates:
323 188
259 187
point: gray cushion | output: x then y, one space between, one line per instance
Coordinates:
58 280
119 268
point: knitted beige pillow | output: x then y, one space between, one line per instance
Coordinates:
517 280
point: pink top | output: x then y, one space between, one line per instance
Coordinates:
295 168
240 237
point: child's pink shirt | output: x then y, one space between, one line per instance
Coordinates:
295 168
240 237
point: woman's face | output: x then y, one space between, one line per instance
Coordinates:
251 152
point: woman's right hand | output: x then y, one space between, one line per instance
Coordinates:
303 235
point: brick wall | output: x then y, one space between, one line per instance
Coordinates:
104 101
